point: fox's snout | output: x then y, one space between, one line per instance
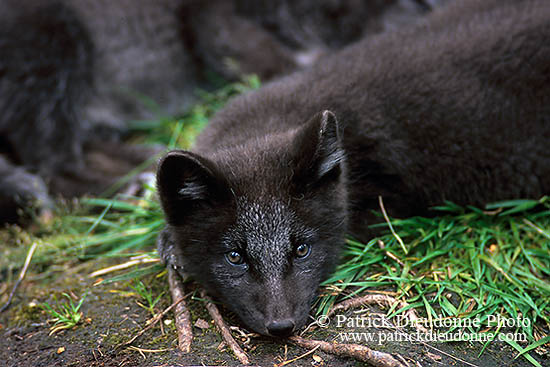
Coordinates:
281 327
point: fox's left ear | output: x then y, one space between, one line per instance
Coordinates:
187 182
318 154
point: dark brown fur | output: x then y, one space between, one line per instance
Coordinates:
456 108
74 72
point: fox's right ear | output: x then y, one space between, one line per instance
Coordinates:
318 152
187 182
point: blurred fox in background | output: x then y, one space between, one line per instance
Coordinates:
74 72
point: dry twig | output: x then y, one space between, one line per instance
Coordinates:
359 352
150 323
382 300
387 219
21 276
182 316
142 351
289 361
126 265
224 330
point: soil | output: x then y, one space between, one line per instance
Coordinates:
112 315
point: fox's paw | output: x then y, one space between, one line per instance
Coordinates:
20 192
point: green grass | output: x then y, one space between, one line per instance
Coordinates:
465 263
65 315
181 133
147 295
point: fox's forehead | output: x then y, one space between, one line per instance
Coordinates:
269 221
257 170
266 227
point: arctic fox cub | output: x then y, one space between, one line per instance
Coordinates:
457 108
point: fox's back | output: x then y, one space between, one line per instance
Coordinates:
456 108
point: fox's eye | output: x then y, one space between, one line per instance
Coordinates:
234 258
302 250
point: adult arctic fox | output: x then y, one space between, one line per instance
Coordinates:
73 73
457 109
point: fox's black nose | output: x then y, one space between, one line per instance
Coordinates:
281 328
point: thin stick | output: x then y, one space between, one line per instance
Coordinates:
388 300
359 352
381 203
447 354
389 254
224 330
150 323
143 350
392 256
182 316
125 265
380 299
297 358
21 276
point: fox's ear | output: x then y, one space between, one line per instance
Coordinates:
186 182
318 151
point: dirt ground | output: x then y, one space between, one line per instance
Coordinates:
111 316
